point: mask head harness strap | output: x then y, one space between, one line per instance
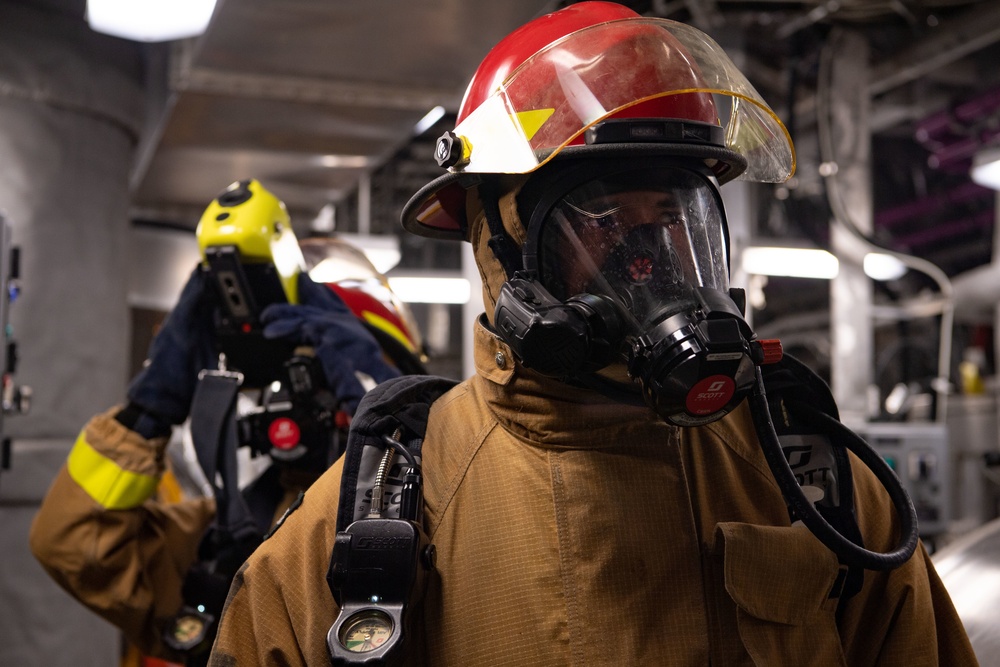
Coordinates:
504 247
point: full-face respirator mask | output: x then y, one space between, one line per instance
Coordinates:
625 280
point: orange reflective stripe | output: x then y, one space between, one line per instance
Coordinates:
169 489
110 485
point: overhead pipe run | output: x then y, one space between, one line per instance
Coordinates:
933 205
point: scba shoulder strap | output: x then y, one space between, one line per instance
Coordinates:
382 557
241 520
398 409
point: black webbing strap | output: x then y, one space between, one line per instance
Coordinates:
403 402
213 431
503 246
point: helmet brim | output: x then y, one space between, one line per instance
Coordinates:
437 210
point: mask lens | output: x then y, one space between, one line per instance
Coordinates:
643 239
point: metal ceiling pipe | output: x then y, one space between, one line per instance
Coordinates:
927 206
945 230
936 127
952 40
962 150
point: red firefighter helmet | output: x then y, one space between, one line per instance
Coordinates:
346 270
547 87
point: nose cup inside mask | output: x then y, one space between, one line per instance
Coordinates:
645 274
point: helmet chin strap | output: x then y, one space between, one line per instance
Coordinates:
503 246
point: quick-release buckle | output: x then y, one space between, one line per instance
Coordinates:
221 372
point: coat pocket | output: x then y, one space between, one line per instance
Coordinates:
780 579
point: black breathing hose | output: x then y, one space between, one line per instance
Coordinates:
847 551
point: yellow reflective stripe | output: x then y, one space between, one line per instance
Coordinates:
390 328
110 485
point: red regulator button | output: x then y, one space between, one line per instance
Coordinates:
283 433
710 395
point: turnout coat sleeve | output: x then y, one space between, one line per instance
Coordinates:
280 607
909 608
106 540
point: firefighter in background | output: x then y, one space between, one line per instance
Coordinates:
597 494
138 559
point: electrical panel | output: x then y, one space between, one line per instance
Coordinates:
918 454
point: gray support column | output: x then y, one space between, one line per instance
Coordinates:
70 106
851 291
738 196
738 199
996 262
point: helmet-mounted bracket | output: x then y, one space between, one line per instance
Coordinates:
452 151
654 130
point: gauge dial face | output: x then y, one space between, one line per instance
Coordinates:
188 629
366 631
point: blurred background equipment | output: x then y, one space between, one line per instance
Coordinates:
15 399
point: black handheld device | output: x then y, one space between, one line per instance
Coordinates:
253 260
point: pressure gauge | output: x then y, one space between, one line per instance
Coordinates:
365 631
377 568
189 631
368 634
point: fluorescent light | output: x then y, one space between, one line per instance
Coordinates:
791 262
431 117
150 20
431 288
342 161
879 266
986 168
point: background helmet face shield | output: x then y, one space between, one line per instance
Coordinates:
644 239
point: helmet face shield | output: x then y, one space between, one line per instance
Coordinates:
594 73
644 239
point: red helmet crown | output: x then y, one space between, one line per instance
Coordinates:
541 88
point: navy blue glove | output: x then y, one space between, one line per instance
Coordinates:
341 342
183 347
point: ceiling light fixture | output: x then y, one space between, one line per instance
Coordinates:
435 287
815 263
790 262
431 117
880 266
986 168
150 20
